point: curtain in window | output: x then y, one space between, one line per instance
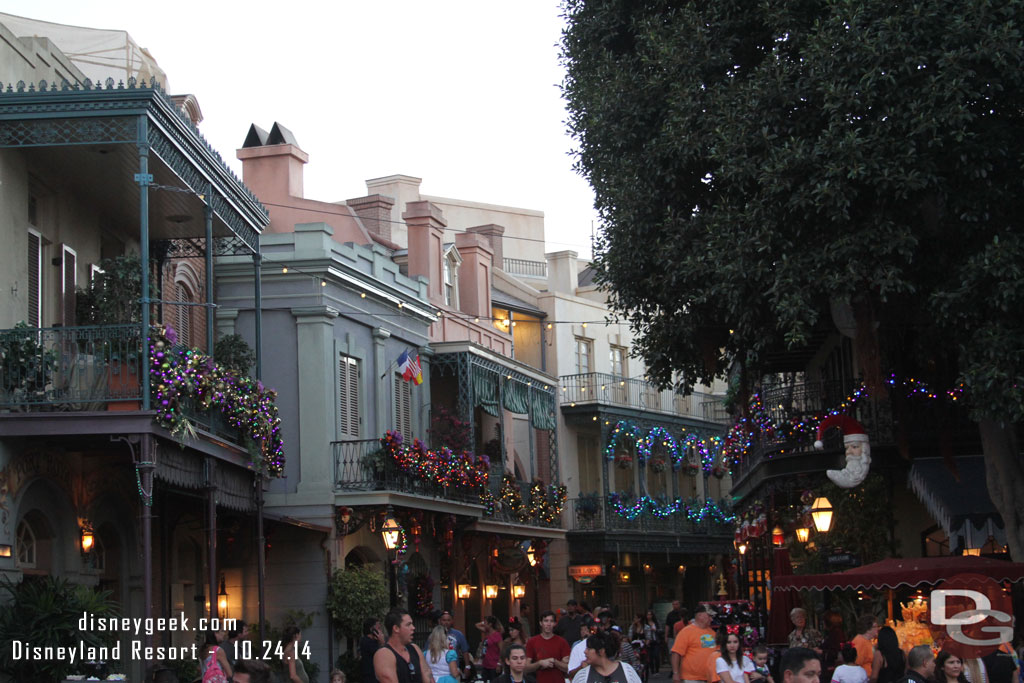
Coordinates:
485 390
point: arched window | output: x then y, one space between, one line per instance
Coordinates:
26 545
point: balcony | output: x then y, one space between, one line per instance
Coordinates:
598 388
523 268
360 465
586 516
70 368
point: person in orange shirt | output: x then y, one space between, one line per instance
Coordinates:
694 651
867 630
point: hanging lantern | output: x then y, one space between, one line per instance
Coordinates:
390 531
491 591
742 547
778 537
518 591
821 513
803 534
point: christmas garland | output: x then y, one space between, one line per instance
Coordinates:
695 510
423 594
626 434
633 435
441 466
659 435
179 375
545 503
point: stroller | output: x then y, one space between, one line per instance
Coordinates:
640 646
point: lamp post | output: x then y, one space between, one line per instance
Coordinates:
391 532
821 513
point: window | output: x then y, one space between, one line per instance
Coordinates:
35 282
584 355
449 282
26 545
618 361
69 280
348 397
450 276
183 314
403 407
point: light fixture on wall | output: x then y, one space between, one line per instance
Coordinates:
6 550
222 600
491 591
778 537
821 513
623 577
518 591
391 531
803 534
88 540
464 591
742 547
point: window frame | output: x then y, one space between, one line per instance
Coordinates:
587 344
350 374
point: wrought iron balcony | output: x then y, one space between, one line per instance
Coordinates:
70 368
606 389
525 268
594 514
361 465
505 513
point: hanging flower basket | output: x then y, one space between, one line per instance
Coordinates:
658 464
692 468
718 472
624 460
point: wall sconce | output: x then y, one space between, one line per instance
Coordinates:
623 577
518 591
464 591
88 540
222 600
6 550
491 591
531 557
821 513
391 531
803 534
682 569
742 547
975 552
778 537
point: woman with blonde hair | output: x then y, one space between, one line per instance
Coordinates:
443 662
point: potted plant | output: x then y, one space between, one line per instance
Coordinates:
233 353
26 366
589 505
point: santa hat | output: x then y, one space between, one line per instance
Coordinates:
852 430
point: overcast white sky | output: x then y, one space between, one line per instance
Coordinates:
461 93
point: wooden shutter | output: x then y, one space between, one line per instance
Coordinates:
403 407
35 283
69 279
183 315
348 397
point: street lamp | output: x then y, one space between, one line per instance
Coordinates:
391 531
821 513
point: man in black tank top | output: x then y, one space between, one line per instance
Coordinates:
399 661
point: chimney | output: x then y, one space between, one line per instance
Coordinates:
272 163
474 273
426 226
375 212
563 271
493 234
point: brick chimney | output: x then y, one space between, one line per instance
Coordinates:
426 226
375 212
493 233
272 163
563 271
474 273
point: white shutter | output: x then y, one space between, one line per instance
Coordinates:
348 397
35 283
69 280
403 407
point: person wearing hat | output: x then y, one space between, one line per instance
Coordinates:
456 641
858 450
694 651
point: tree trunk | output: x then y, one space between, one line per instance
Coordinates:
1004 469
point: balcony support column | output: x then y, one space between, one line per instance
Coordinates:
257 267
144 178
208 214
318 417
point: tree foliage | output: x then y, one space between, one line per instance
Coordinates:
354 595
754 162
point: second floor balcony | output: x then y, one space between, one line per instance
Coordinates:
594 514
599 388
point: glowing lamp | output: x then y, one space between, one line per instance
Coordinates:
491 591
742 547
623 577
6 550
976 552
778 537
222 599
88 540
803 534
821 513
391 531
518 591
464 590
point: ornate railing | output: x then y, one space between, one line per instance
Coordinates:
525 268
361 465
504 513
589 514
70 368
607 389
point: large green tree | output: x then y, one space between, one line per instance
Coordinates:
758 164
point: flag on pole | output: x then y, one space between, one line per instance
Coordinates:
410 368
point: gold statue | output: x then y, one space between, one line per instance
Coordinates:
722 592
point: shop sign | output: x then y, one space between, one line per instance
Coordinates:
586 573
511 559
843 560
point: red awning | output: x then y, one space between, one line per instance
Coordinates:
896 572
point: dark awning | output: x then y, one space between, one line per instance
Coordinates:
895 572
958 500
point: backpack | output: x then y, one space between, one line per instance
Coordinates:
212 673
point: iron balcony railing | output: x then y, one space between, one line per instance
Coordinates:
505 513
594 514
525 268
70 368
361 465
607 389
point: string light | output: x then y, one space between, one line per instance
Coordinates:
695 510
441 466
545 503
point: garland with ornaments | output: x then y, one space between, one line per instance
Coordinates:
657 448
180 377
441 466
423 594
696 511
545 503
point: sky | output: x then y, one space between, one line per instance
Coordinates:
463 94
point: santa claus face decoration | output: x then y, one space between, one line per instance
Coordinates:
858 450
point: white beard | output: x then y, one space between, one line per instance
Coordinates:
855 472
